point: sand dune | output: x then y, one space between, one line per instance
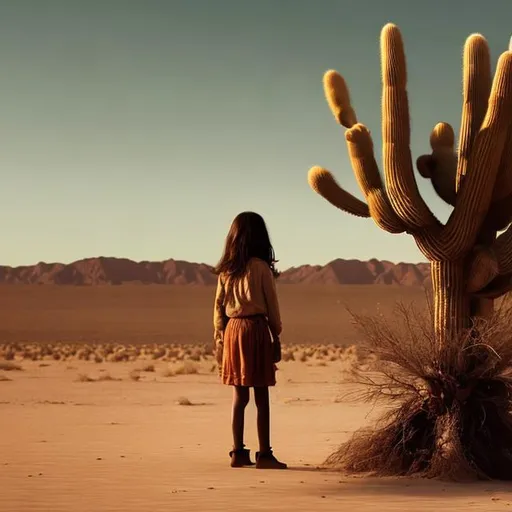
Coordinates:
76 440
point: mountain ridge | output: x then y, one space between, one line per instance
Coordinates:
117 271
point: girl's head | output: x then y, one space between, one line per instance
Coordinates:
247 238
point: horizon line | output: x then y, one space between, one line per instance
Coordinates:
203 262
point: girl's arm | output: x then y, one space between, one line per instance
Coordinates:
270 292
219 314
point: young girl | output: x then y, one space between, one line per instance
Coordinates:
246 313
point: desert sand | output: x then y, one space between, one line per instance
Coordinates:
134 433
181 314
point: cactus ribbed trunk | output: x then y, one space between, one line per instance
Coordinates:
482 307
451 302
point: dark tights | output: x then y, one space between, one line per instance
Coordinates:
240 401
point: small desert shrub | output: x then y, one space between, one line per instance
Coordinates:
148 368
158 353
352 350
183 401
134 375
187 368
9 355
303 357
4 378
186 402
83 354
173 353
8 366
83 377
105 377
195 355
288 355
168 372
322 352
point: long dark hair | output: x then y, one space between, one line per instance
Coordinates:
247 238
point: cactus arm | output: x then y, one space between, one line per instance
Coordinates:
360 149
474 197
503 186
382 212
491 262
338 98
500 211
475 93
401 185
428 242
441 165
502 250
483 269
323 183
496 288
500 214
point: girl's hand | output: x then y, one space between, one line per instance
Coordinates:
218 354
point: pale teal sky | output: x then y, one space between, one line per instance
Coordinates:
141 128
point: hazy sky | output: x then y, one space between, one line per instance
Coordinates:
141 128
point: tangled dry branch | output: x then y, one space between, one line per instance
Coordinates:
452 403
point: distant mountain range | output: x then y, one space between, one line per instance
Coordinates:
116 271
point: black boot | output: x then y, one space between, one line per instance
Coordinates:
240 458
266 460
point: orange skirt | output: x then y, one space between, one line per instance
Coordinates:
247 358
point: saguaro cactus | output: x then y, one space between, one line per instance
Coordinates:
456 400
469 265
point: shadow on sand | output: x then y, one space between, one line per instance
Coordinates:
389 486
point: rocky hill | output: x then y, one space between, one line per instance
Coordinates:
115 271
359 272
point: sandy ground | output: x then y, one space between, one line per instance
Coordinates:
181 314
68 444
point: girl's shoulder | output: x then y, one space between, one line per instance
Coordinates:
258 265
258 262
